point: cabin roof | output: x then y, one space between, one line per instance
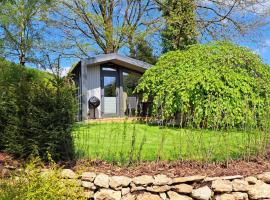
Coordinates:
116 59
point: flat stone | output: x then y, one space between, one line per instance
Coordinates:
183 188
10 167
135 188
203 193
232 196
188 179
117 182
129 197
259 191
87 184
175 196
251 180
240 185
143 180
107 194
158 189
68 173
265 177
224 197
240 196
162 180
148 196
5 173
102 180
163 196
88 176
222 186
125 191
209 179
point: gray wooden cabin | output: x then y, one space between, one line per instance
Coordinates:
111 78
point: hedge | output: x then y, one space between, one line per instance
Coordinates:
36 113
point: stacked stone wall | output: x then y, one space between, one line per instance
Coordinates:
161 187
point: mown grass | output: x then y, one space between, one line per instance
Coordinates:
126 143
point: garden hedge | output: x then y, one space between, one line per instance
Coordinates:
37 112
217 85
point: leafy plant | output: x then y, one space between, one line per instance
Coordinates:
218 85
32 184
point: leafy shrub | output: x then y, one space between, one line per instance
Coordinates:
217 85
36 113
31 184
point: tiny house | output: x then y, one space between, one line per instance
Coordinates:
110 78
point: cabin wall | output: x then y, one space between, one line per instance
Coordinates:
94 88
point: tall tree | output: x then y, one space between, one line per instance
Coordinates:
180 29
21 26
212 19
144 52
105 25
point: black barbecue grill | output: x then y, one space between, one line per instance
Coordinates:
93 103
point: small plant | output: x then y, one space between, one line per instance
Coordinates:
32 184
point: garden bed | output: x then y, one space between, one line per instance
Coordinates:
177 168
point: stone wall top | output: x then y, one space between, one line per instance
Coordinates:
161 187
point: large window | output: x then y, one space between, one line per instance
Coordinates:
130 82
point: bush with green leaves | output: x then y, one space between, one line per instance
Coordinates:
32 184
217 85
36 113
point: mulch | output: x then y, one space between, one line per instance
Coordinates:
179 168
172 169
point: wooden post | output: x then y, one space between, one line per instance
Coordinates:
84 90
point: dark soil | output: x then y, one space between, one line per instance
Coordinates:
172 169
177 169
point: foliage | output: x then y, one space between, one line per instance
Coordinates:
22 24
214 20
105 26
32 184
132 143
180 29
36 114
144 52
217 85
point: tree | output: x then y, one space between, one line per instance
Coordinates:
22 28
105 25
144 52
212 19
217 85
180 29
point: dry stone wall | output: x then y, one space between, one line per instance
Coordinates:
161 187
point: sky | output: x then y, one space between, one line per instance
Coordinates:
260 47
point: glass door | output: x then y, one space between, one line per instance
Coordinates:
110 91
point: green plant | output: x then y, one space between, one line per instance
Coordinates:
218 85
36 113
32 184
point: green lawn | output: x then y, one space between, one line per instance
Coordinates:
124 142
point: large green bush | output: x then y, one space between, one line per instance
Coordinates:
36 112
216 85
